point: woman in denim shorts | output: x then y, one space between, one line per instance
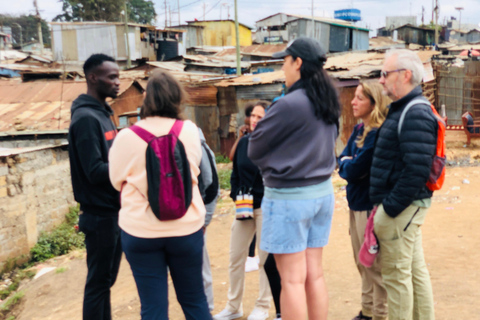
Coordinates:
294 146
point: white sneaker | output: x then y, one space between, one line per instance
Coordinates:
226 314
251 264
258 314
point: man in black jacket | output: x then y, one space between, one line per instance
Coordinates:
90 137
400 169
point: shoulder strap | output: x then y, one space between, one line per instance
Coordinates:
409 105
176 128
142 133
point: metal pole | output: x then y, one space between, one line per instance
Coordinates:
436 22
178 7
237 40
39 26
129 63
313 22
21 35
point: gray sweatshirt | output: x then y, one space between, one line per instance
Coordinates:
291 146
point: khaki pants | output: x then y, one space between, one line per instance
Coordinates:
404 270
241 237
374 295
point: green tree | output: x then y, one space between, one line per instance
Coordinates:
90 10
29 28
140 11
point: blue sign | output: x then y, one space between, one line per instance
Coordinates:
348 14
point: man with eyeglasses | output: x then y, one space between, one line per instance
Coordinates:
400 169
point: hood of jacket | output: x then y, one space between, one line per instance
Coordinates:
85 100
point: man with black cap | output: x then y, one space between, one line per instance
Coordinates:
294 146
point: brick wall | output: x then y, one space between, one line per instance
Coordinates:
35 194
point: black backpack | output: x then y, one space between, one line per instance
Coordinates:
209 192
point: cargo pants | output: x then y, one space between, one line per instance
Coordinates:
404 271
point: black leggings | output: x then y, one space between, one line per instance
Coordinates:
274 280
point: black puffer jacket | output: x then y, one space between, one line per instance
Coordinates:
401 165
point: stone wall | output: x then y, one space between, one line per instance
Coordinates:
35 194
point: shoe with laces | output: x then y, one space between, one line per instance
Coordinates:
226 314
258 314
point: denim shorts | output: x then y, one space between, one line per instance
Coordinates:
291 226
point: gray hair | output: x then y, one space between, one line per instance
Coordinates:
409 60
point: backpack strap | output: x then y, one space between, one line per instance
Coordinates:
142 133
176 128
409 105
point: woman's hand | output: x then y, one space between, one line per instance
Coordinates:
243 130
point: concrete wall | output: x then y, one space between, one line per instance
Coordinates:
35 194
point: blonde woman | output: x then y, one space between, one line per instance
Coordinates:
370 106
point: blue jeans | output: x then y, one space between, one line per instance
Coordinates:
104 252
149 259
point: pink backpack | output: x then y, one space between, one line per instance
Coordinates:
369 250
168 173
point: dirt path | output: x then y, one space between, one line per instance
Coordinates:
451 243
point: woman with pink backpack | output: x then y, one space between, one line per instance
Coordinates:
155 165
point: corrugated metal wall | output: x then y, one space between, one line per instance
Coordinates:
459 90
360 40
339 39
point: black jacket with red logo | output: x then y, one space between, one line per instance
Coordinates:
90 137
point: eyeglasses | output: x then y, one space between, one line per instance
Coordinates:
384 74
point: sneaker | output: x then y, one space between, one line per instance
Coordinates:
251 264
226 314
258 314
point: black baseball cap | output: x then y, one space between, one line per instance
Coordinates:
306 48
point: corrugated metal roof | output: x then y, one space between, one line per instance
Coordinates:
264 50
102 23
40 105
336 22
254 79
352 65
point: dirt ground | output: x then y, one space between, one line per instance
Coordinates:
451 244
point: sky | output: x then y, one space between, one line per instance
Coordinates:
373 12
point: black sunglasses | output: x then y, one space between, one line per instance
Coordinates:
385 74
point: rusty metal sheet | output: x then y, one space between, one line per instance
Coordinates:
227 101
254 79
201 95
41 105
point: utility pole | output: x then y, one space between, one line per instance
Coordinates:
423 15
178 7
21 35
436 22
433 9
39 26
204 5
459 9
170 14
313 22
237 40
166 14
127 41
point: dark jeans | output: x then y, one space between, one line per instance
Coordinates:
104 252
273 276
149 259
